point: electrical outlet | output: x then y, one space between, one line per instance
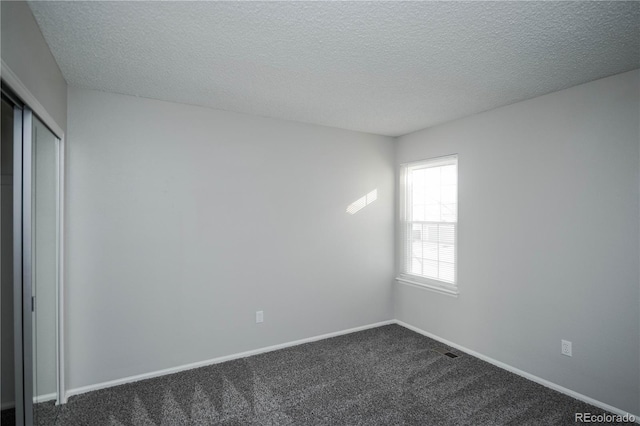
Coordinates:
566 348
259 316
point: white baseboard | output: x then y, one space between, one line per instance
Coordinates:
521 373
44 398
36 400
529 376
130 379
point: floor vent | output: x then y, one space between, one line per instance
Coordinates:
446 352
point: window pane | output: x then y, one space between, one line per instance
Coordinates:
449 175
447 271
449 213
417 176
431 194
447 234
416 241
432 212
418 212
430 250
431 233
448 195
418 193
416 266
430 269
446 253
432 176
432 220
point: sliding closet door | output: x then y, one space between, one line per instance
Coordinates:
40 227
36 244
21 295
7 374
26 270
44 211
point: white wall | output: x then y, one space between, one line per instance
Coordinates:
27 54
183 221
548 237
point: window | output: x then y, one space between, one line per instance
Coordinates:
429 223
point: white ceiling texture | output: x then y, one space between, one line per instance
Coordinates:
381 67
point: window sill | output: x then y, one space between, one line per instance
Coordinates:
430 287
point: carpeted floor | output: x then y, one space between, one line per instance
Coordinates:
8 417
383 376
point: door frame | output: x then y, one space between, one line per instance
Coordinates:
27 107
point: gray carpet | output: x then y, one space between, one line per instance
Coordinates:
383 376
8 417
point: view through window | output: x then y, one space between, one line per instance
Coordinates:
429 215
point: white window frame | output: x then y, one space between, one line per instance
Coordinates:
404 277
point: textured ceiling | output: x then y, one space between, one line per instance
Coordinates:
383 67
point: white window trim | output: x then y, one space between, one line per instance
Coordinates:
443 287
432 285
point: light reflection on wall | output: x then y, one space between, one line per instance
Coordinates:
362 202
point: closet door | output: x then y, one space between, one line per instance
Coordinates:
7 383
44 267
36 260
24 269
21 296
